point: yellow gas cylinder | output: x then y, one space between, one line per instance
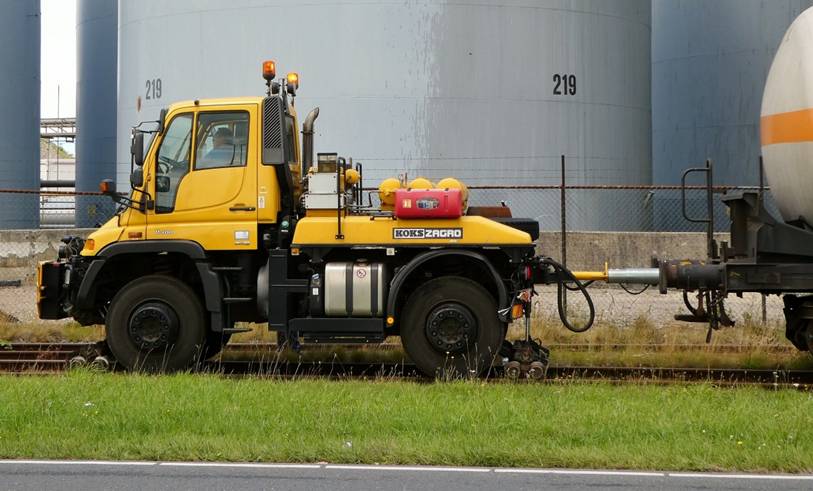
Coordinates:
386 192
452 183
351 177
421 183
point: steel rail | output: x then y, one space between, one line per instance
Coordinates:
37 358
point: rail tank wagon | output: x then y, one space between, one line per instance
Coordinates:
20 117
489 92
96 33
787 123
710 61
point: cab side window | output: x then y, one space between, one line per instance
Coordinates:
222 140
172 162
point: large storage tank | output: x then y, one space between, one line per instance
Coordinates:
787 122
20 114
710 60
492 92
96 33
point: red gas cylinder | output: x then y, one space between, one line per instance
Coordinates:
428 203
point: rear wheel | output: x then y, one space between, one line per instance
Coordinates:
156 323
798 321
450 328
800 333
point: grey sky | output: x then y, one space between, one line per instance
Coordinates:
58 59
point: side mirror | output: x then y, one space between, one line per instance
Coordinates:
137 177
162 116
162 184
137 148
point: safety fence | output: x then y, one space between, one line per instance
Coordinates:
616 208
647 215
48 208
612 208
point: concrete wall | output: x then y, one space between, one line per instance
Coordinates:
589 250
21 250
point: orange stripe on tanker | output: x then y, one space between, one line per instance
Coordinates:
789 127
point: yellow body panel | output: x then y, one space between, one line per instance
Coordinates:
107 234
362 230
205 197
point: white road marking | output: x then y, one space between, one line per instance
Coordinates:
240 464
785 477
579 472
407 468
78 462
395 468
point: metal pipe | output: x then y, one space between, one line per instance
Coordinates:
307 140
638 276
563 206
710 244
680 274
57 183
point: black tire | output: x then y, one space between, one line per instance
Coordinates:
478 350
182 346
797 332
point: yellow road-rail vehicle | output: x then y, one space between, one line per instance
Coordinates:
231 220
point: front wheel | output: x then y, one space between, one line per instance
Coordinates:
450 327
156 323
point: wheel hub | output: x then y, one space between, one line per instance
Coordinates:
153 325
450 327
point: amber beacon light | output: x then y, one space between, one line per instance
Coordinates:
269 70
293 79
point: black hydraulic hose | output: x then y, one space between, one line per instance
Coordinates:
564 276
576 288
633 292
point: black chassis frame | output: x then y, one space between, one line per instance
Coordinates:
82 290
282 287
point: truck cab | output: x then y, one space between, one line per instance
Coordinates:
203 179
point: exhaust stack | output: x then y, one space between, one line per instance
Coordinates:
307 141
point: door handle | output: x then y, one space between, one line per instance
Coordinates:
242 207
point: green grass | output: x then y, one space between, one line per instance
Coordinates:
204 417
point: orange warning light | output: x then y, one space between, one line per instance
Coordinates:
293 79
269 70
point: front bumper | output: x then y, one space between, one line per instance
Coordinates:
51 277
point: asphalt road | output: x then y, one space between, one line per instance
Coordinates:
85 475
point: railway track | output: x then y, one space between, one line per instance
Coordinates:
259 346
46 358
